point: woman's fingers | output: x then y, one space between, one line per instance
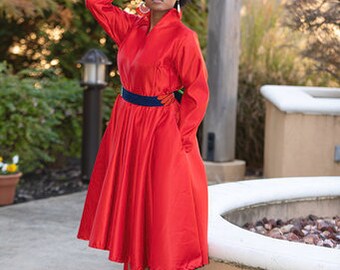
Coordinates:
166 99
168 102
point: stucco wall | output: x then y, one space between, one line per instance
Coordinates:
299 144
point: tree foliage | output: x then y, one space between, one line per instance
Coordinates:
319 20
18 9
59 32
62 33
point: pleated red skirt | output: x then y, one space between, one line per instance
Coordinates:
147 200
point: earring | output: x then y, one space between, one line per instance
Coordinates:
142 9
178 6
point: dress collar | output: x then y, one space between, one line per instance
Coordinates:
168 18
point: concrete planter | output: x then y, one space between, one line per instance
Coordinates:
8 185
230 204
302 131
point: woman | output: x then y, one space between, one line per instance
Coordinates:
147 200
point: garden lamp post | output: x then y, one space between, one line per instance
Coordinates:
94 80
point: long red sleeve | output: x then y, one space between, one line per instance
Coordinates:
115 21
194 75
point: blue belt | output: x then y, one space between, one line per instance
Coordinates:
145 100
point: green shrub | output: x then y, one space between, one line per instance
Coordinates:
41 116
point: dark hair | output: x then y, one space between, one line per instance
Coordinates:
182 3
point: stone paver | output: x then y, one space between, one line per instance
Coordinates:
41 235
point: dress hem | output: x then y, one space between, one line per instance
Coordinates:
115 259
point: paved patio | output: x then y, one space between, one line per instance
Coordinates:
41 235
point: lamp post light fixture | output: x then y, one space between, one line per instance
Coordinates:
94 72
94 81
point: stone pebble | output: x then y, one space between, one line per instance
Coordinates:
312 230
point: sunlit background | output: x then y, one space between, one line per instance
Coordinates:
282 42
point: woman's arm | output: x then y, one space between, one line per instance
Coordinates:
194 75
115 21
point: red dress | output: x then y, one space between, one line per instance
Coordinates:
147 200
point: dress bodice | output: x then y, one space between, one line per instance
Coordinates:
164 60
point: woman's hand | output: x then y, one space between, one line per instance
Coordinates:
166 99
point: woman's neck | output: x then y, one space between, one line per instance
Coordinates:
155 16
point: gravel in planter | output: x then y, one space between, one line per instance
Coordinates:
313 230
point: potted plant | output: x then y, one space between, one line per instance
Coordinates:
9 178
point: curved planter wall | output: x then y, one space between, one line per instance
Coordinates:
230 243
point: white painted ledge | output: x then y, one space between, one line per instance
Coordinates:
303 99
231 243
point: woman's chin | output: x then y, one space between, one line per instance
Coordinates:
159 5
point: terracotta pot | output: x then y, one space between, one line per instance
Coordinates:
8 185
